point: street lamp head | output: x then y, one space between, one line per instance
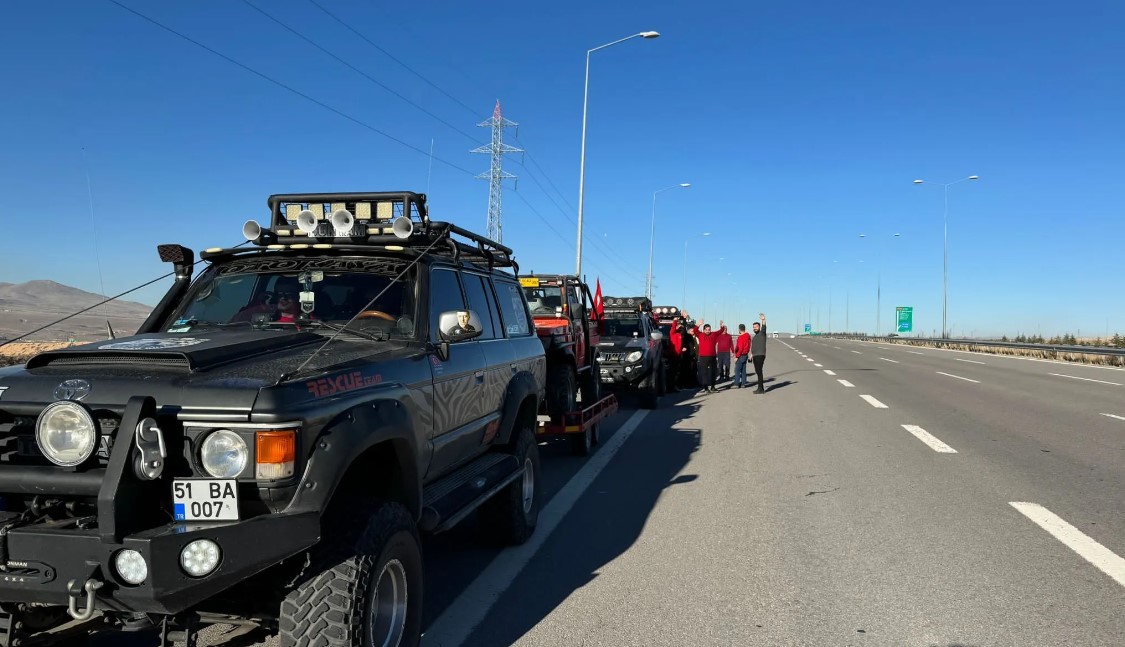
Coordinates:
685 184
917 181
649 34
897 235
974 177
863 235
706 233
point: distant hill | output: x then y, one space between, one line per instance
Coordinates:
26 306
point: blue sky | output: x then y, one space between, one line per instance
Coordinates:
799 125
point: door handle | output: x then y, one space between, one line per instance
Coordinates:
480 377
515 369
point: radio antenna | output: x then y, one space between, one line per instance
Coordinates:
97 250
430 170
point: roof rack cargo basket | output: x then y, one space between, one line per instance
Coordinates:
395 221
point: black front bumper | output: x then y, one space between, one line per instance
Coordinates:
623 374
43 560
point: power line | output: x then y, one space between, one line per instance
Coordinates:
291 89
357 70
370 42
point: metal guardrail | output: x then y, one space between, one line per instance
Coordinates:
1050 348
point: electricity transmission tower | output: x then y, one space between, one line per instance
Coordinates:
496 174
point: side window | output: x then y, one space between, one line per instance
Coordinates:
445 295
513 305
577 303
481 300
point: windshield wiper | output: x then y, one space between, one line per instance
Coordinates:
345 329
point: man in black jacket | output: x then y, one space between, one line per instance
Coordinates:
758 350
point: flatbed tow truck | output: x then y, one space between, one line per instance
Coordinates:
563 309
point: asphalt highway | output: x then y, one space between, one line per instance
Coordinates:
876 495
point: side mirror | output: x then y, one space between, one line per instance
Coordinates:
459 325
656 335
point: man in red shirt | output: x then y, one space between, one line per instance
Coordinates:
707 342
741 353
674 355
722 352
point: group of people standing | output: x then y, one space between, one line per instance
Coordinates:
715 349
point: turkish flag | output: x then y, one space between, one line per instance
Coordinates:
599 308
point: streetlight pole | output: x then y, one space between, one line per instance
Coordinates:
945 264
878 286
683 301
652 235
582 160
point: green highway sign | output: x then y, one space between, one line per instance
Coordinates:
905 318
808 327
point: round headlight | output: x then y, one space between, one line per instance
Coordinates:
131 566
634 356
200 557
66 433
224 454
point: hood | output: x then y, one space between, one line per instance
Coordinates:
213 371
610 344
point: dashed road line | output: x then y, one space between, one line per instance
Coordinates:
892 361
857 352
809 359
958 377
929 439
1101 557
1084 379
829 372
1110 415
914 352
969 361
846 383
819 365
873 402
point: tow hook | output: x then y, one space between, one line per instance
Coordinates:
75 593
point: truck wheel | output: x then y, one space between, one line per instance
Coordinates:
509 517
562 390
591 385
650 391
582 444
363 584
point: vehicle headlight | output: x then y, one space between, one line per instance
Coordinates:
634 356
224 454
131 566
66 433
200 557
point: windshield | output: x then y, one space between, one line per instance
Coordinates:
310 293
621 326
543 300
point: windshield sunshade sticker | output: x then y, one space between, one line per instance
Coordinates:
164 343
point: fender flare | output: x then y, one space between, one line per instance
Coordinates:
522 387
346 438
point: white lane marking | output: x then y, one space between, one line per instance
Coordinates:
914 352
1103 558
883 347
892 361
809 359
1110 415
1084 379
929 439
474 603
837 348
819 365
829 372
846 383
873 402
958 377
970 361
857 352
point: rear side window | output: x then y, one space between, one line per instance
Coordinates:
482 301
517 320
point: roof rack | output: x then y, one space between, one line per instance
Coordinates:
394 221
644 304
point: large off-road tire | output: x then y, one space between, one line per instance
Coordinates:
650 390
562 389
363 584
590 384
510 517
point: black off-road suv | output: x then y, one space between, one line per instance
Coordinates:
631 348
267 447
